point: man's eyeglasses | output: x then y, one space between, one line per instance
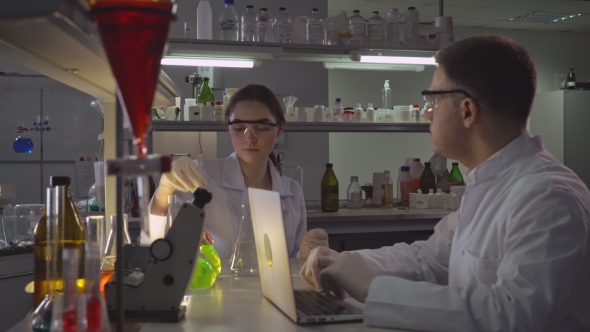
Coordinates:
259 129
431 100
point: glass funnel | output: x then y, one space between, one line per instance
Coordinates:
133 34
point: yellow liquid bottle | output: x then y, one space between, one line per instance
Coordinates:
387 186
71 234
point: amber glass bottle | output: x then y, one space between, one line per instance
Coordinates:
329 199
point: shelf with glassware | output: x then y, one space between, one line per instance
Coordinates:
203 52
359 127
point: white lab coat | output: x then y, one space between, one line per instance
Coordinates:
514 257
224 213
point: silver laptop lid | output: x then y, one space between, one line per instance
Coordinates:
271 249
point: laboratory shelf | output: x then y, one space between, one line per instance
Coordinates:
278 51
212 126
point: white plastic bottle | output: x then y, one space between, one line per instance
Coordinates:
204 20
376 26
386 96
337 110
283 26
248 24
263 25
370 113
358 113
416 169
356 25
431 199
438 199
392 28
314 28
412 27
229 22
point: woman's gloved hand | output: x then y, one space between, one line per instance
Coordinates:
350 274
314 238
319 258
184 175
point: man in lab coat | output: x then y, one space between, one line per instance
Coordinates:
515 256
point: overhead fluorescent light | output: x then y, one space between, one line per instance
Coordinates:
369 66
210 62
539 16
401 60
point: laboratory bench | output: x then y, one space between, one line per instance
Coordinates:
234 304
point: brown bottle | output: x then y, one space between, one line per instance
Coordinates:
329 197
427 179
570 83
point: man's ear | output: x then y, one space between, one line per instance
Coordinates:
470 112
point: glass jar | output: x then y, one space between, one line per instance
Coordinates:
344 38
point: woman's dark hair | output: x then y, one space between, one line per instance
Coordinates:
498 73
262 94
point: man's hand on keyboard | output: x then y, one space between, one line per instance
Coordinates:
351 274
319 258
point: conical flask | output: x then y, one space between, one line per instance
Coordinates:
243 261
205 271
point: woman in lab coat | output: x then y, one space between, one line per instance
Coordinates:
255 119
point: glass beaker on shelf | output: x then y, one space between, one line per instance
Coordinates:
243 261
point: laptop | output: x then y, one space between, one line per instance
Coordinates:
302 306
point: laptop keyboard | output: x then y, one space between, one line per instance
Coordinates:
313 303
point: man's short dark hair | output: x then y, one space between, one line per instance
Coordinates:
498 73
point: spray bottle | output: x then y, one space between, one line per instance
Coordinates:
386 96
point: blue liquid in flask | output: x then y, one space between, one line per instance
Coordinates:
23 145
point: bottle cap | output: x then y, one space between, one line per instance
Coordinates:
314 9
439 190
375 12
264 9
394 9
405 168
217 103
447 191
411 8
282 8
345 35
356 11
228 2
431 191
386 85
206 79
354 178
249 7
416 106
417 159
329 165
455 164
59 181
427 164
358 105
419 191
338 100
370 105
386 171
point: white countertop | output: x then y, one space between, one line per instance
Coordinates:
235 304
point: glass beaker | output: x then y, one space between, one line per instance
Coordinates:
107 268
26 218
243 261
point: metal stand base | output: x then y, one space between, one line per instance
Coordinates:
171 316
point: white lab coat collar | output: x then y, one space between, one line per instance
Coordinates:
232 176
523 145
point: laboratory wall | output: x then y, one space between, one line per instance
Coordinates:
363 154
68 147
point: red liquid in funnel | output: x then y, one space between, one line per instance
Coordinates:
133 35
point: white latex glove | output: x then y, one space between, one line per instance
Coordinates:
319 258
313 238
351 274
184 175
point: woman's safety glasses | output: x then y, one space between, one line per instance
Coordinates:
260 129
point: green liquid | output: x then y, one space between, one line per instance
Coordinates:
204 276
211 255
